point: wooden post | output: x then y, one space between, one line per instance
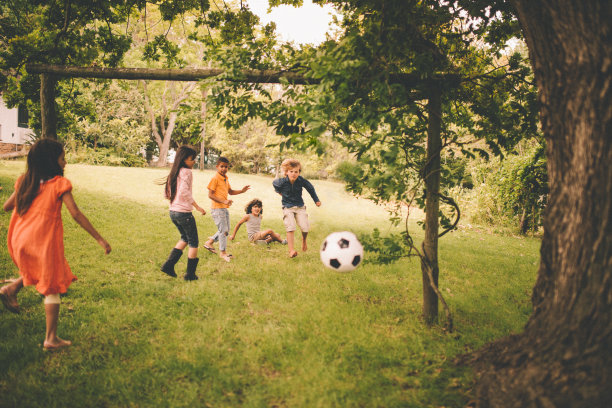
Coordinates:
203 127
48 114
432 205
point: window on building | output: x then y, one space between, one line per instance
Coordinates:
22 116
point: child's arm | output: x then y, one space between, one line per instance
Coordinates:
242 190
311 190
237 227
82 220
9 204
212 196
197 207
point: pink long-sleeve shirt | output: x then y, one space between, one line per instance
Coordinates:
183 201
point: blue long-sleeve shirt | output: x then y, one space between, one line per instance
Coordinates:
292 193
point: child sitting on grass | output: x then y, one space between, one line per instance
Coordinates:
254 211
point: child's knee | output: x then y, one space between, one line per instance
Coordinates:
53 299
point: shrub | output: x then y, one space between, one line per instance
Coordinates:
508 193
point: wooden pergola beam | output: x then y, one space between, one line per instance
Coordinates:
261 76
160 74
50 73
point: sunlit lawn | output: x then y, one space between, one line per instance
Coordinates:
263 330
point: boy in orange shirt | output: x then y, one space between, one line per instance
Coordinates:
218 190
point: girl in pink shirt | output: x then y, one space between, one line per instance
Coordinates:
178 191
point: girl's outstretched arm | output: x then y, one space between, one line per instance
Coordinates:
237 227
9 204
197 207
82 220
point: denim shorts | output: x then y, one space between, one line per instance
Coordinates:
185 222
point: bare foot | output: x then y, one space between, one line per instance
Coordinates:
304 246
225 257
9 299
292 254
56 344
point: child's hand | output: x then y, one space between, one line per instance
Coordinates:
231 237
105 245
203 211
318 203
245 188
229 202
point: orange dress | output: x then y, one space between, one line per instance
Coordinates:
36 239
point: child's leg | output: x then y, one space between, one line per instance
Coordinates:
52 306
301 218
275 236
291 243
290 226
8 295
211 240
223 227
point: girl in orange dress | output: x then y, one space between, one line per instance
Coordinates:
36 233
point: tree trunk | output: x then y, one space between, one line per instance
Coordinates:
203 128
432 206
564 356
48 113
164 137
167 137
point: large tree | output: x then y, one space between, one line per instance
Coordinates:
564 356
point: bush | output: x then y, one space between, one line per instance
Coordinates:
508 193
102 156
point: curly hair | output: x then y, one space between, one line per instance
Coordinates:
254 202
288 164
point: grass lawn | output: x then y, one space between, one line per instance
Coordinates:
263 330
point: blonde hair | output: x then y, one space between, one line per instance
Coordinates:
288 164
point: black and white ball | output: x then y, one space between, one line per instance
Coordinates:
341 251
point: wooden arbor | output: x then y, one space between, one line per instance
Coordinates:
430 90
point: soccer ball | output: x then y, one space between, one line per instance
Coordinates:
341 251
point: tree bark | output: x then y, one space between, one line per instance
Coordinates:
432 206
564 356
48 113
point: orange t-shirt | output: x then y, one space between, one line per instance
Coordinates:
36 239
220 187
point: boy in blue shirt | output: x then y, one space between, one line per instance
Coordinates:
294 210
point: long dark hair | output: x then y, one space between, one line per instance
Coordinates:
42 165
184 152
254 202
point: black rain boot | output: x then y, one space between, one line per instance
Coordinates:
192 263
168 266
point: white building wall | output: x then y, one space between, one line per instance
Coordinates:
9 131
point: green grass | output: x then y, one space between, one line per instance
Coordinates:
263 330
